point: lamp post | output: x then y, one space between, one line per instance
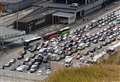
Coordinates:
17 15
66 2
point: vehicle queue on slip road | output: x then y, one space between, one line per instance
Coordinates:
87 42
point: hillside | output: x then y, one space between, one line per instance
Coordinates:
108 70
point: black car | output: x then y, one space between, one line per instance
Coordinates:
20 57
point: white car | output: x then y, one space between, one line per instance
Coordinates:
48 71
21 68
12 60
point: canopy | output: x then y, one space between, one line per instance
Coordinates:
62 14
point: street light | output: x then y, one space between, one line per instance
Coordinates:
66 2
17 15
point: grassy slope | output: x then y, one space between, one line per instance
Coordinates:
88 74
106 71
113 59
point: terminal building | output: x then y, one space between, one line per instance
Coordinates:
58 12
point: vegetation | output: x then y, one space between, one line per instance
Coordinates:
109 73
113 59
108 70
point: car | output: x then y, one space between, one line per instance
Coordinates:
113 39
99 25
33 48
96 36
81 46
78 56
92 50
74 50
20 57
108 41
7 64
45 59
85 53
33 56
23 52
104 44
95 41
102 39
35 66
91 54
87 44
118 37
2 67
36 63
13 60
32 60
32 70
91 39
27 59
99 47
40 71
39 58
30 63
48 71
21 68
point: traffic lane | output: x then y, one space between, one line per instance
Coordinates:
47 29
43 66
19 76
18 62
9 54
96 45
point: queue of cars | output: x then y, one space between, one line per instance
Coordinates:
28 61
85 42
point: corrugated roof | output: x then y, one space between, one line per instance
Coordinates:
41 12
62 14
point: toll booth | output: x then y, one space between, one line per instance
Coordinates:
63 18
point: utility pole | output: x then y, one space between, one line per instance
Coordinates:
17 15
66 2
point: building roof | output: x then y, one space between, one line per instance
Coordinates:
37 14
62 14
6 33
10 1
